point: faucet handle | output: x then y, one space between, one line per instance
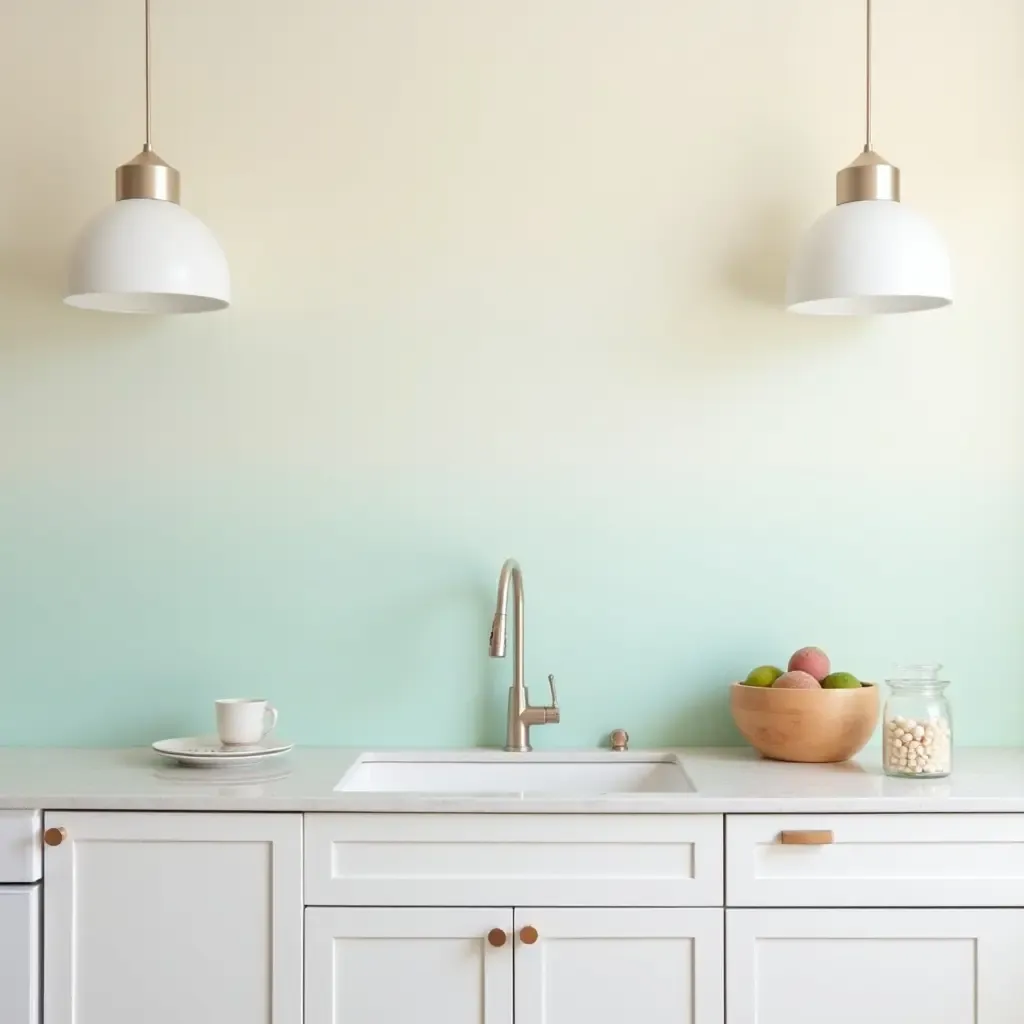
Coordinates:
551 713
554 692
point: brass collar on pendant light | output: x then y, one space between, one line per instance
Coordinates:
869 254
146 254
146 176
868 177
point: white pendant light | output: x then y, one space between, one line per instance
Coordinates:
870 254
145 254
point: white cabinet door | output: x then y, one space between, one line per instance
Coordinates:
655 966
393 965
874 966
172 918
19 954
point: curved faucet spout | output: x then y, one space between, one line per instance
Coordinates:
510 573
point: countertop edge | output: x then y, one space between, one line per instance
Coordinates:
414 805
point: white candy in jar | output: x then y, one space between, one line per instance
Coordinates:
910 747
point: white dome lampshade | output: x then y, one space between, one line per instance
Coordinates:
145 254
148 256
870 254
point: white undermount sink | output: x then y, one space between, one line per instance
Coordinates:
517 774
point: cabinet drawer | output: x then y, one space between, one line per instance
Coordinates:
21 850
552 860
875 860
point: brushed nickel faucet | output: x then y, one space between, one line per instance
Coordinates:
521 713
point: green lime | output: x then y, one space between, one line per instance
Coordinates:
763 675
840 681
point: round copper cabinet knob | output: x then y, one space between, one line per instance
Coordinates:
55 836
496 937
529 935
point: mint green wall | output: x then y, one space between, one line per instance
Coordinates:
363 612
530 307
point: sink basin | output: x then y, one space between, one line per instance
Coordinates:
518 774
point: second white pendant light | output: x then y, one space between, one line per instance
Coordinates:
146 254
870 254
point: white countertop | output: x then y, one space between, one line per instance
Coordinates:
726 780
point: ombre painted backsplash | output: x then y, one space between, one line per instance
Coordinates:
533 310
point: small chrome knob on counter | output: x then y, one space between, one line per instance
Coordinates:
496 937
529 935
55 836
620 740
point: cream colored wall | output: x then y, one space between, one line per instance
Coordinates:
507 279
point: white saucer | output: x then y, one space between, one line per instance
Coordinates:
209 752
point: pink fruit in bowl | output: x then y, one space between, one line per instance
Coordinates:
796 680
812 660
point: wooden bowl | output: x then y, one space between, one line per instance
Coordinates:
805 725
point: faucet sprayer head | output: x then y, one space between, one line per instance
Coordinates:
497 643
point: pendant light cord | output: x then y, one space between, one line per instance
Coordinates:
149 116
867 83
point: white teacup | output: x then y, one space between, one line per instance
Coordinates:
244 720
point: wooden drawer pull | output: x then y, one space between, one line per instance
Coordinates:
528 935
496 937
55 836
808 837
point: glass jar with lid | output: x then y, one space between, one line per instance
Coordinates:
917 726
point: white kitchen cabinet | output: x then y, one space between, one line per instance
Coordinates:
658 966
880 966
391 965
171 918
